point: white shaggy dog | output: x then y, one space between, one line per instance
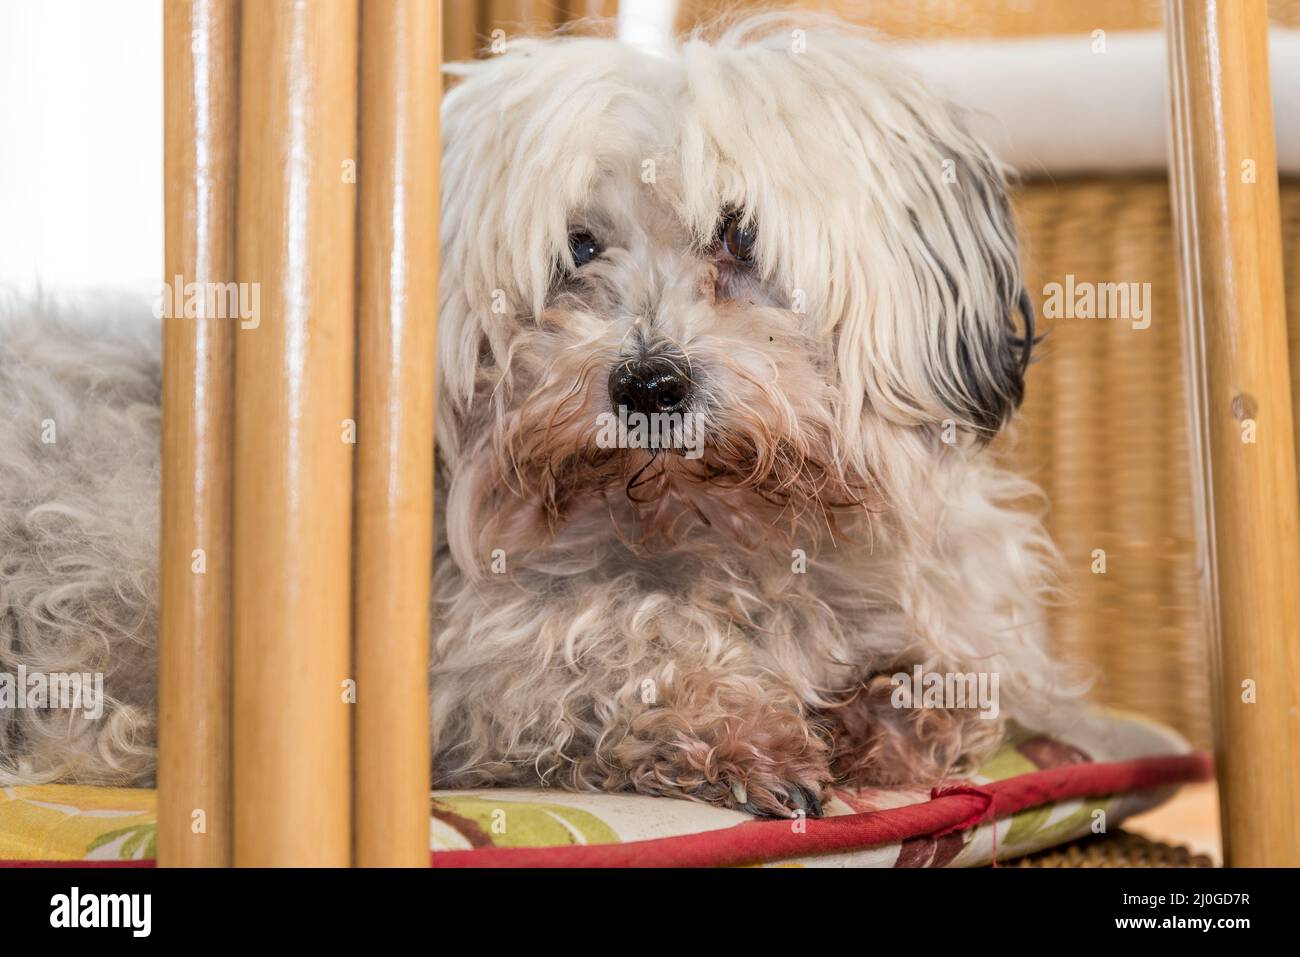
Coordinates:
778 234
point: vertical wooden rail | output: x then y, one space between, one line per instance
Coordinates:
201 100
398 311
460 33
293 418
576 9
1226 206
518 16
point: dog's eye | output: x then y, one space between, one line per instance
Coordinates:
583 246
738 240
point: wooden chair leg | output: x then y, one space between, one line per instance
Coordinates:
398 313
201 93
294 428
1224 181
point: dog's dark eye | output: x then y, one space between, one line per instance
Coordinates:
738 240
583 246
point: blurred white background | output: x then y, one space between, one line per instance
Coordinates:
81 180
81 201
647 23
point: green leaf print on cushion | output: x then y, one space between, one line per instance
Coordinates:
1007 763
137 836
525 824
1030 825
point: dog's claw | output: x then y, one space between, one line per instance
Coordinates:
805 800
797 800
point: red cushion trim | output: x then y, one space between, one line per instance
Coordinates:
755 841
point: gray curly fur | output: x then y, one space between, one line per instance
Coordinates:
79 532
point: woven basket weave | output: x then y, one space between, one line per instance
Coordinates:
1105 433
1120 849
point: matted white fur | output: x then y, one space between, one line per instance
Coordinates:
611 618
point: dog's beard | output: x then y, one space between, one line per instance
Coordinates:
762 473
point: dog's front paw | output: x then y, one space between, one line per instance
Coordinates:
782 783
730 749
880 741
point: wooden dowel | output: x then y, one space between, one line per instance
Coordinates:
517 17
460 29
577 9
397 318
293 434
1226 206
200 104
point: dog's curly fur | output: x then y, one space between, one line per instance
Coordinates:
615 618
79 433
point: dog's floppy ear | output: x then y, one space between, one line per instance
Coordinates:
965 260
974 321
869 182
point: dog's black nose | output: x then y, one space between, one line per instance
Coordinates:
649 386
